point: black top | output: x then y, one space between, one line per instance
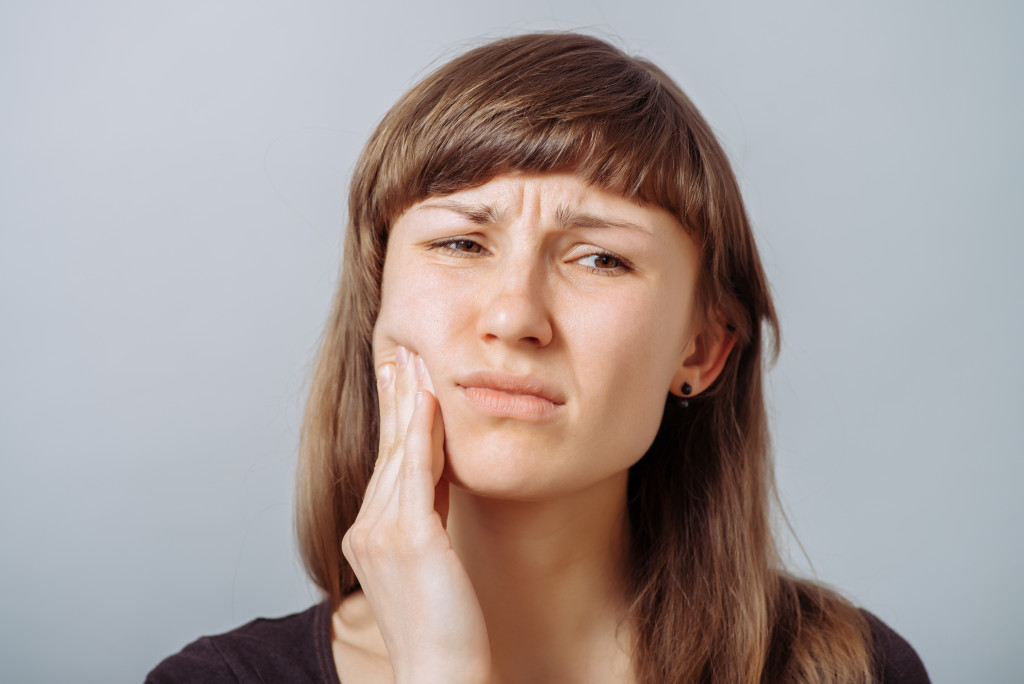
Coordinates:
294 649
297 649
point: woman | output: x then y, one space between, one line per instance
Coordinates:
536 448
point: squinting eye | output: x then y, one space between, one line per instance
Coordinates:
465 246
458 246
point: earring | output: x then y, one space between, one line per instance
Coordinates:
683 402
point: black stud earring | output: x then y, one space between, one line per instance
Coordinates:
683 402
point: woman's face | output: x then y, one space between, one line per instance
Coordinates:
553 318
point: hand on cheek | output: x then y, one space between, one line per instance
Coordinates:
398 547
387 350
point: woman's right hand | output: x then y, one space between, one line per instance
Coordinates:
421 596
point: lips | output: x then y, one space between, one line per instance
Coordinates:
503 395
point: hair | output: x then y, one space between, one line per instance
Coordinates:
710 601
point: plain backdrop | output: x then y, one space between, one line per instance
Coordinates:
172 184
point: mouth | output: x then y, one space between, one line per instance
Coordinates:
503 395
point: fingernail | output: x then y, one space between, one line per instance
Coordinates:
419 397
403 357
421 368
385 374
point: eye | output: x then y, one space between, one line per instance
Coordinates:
604 263
458 246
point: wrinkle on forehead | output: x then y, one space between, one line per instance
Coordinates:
567 214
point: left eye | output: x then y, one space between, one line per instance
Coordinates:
464 246
603 262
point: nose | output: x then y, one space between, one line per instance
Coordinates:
516 312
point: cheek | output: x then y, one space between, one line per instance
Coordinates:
417 311
626 418
629 361
637 341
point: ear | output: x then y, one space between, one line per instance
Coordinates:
705 357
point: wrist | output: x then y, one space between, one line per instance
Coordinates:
444 673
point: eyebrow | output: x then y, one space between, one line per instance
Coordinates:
567 219
482 214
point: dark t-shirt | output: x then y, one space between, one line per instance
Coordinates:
297 649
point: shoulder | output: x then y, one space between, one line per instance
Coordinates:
896 661
294 648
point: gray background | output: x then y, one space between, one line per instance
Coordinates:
172 183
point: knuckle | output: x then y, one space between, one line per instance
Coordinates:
369 545
355 541
415 543
379 545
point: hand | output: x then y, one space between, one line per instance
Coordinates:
421 596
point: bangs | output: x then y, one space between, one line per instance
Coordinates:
575 105
563 103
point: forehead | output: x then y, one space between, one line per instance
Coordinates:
563 201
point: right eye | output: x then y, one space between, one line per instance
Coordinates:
458 246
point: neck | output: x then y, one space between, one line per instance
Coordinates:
549 577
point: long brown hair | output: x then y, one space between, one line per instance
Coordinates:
710 602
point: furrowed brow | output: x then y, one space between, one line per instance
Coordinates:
482 214
569 219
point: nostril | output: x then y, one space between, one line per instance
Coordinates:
516 316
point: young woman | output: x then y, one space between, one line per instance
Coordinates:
536 448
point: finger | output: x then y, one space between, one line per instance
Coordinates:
415 480
386 407
423 376
396 405
437 468
406 385
397 396
386 426
437 443
437 429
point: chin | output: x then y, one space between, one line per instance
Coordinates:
523 466
504 468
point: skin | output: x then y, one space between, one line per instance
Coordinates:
490 545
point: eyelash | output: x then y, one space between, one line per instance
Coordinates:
622 265
445 246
